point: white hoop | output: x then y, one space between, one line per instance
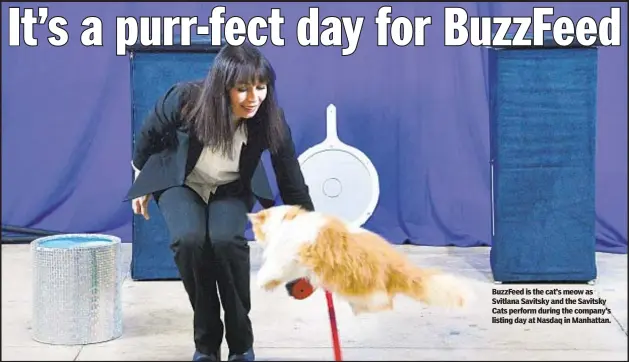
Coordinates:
332 145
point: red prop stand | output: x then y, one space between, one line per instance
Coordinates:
301 289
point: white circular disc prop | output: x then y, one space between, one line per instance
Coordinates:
342 180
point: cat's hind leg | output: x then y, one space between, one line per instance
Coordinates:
379 302
357 308
371 303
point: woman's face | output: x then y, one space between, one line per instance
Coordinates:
246 99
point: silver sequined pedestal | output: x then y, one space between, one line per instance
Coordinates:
77 280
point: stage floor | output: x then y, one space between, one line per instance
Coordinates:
158 320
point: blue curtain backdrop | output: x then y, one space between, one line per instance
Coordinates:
419 113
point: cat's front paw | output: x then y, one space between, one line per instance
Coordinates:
270 285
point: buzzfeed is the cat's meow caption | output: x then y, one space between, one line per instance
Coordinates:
527 305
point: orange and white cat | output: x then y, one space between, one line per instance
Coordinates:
352 262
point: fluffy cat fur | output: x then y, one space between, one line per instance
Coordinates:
354 263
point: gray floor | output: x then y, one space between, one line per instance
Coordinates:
157 321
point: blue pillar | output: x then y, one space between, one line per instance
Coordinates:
542 154
154 69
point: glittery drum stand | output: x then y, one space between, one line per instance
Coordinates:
76 289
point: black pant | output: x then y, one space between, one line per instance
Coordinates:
210 248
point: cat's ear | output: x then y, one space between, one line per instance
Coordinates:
257 217
252 216
293 212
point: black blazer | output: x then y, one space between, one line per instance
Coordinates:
166 153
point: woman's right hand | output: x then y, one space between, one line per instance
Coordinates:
141 206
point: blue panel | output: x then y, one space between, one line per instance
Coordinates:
542 135
152 74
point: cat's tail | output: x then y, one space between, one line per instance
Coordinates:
433 287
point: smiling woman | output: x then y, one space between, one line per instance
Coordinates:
246 98
237 80
198 154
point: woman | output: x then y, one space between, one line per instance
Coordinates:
198 154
